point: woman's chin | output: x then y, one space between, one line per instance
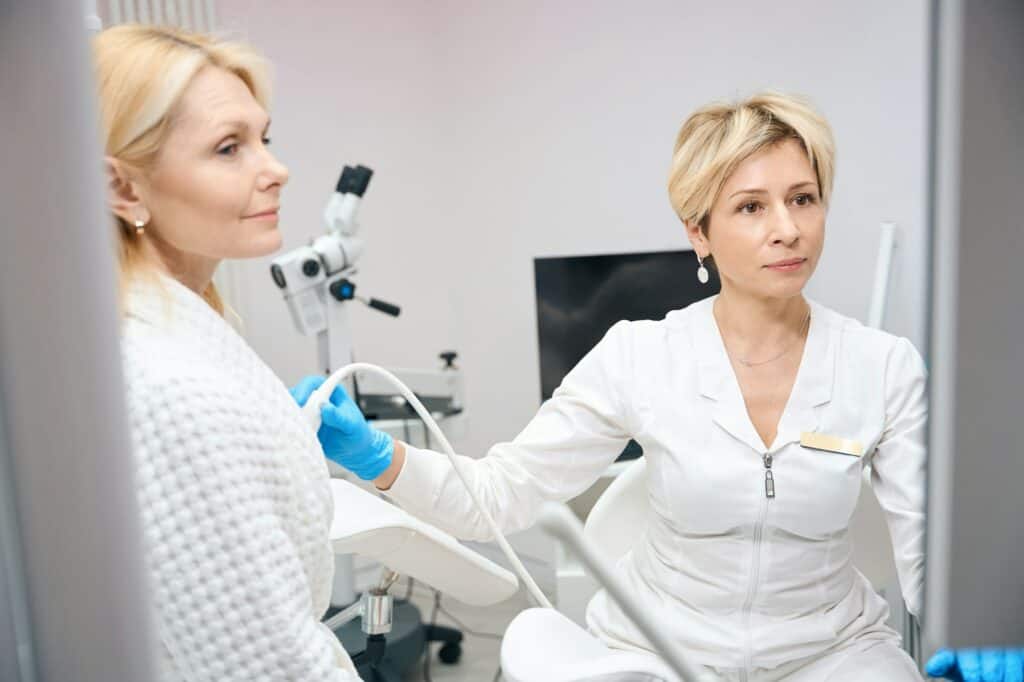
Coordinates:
265 244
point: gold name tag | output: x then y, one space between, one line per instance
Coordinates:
821 441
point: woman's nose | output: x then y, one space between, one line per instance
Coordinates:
275 172
280 171
785 228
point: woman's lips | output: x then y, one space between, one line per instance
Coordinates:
788 265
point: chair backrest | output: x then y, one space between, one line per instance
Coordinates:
618 516
621 512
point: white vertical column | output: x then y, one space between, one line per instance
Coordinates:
211 15
198 16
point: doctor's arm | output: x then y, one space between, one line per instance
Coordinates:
561 452
898 466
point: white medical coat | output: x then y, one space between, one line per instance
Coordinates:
751 582
234 497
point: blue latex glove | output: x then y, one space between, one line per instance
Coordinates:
978 665
344 435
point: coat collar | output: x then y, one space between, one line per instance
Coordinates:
717 381
166 303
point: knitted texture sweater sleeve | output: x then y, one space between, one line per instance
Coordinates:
234 517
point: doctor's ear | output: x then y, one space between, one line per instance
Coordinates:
697 238
123 192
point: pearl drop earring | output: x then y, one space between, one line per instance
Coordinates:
702 272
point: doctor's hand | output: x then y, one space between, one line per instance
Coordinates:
344 435
978 665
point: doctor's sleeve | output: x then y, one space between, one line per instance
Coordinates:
898 466
562 451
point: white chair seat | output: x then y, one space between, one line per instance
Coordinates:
365 524
542 644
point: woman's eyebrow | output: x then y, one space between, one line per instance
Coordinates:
759 190
240 124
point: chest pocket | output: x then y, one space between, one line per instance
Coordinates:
817 489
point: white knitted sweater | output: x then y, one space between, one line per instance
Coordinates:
235 500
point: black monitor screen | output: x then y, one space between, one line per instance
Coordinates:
580 297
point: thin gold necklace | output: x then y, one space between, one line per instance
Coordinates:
747 363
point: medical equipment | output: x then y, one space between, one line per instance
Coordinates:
322 396
973 595
316 280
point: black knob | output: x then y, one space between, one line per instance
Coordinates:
343 290
449 358
310 268
278 275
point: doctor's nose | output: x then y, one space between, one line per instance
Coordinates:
785 229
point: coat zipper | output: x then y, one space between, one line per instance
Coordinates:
769 493
769 478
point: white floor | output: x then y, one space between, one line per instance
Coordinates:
480 651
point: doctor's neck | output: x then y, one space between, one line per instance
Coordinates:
758 319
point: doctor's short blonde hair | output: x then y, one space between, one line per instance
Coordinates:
716 138
142 72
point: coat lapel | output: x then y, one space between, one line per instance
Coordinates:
717 380
815 380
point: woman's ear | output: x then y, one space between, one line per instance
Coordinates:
697 239
122 193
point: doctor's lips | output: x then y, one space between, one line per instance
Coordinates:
268 214
788 265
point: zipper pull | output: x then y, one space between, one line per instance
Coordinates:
769 478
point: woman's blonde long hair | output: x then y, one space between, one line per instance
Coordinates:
142 72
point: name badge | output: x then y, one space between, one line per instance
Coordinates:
822 441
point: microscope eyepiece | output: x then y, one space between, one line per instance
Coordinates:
354 180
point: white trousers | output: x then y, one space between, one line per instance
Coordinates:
861 660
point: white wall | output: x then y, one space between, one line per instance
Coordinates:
505 131
356 83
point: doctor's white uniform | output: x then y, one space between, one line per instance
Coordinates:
758 587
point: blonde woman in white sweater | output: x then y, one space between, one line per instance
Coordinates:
234 493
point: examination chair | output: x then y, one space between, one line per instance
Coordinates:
366 525
543 645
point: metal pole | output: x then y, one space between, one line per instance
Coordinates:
557 520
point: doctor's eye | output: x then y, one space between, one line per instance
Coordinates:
804 199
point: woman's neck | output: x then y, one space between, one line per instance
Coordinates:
750 324
193 271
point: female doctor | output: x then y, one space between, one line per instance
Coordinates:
757 410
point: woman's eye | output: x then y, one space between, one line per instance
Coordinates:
804 199
266 141
750 207
228 149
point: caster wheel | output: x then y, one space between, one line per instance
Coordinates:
450 653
